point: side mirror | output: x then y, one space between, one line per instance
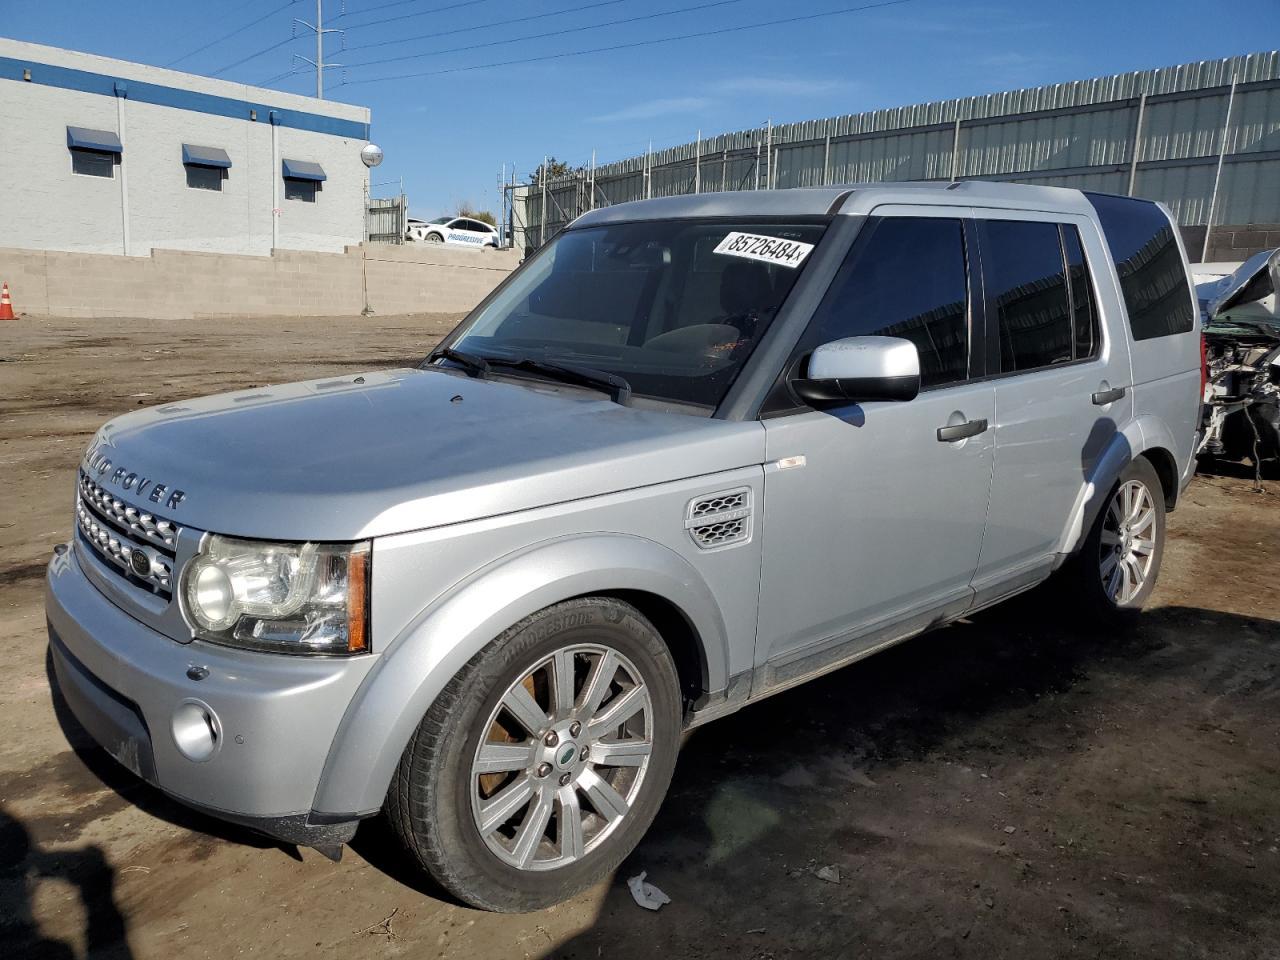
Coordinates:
858 369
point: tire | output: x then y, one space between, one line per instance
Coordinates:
434 238
1090 577
438 796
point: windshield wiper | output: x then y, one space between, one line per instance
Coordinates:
476 366
618 389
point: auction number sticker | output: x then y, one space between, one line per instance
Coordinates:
785 253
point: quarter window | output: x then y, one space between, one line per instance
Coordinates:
1026 289
1153 278
905 277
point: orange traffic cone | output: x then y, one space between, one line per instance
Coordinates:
6 305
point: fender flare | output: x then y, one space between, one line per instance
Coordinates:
453 628
1136 437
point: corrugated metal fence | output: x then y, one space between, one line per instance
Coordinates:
1152 133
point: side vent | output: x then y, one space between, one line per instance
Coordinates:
721 519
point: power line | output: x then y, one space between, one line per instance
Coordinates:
228 36
633 44
420 13
381 6
551 33
254 56
485 26
279 76
226 15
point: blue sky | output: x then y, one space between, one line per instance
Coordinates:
448 134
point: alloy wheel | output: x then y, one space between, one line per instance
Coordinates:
563 758
1128 542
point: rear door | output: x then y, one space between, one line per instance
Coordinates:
1062 387
1163 319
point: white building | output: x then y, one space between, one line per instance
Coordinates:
106 156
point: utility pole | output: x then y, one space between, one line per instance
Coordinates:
697 165
768 170
319 29
1217 176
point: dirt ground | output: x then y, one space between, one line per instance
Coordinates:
1012 786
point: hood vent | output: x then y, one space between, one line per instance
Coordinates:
720 519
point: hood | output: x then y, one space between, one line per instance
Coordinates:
1253 282
392 451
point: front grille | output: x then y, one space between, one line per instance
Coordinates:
720 519
136 544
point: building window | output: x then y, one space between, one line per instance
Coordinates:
302 179
94 153
204 178
92 163
206 166
304 190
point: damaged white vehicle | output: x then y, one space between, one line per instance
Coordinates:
1241 325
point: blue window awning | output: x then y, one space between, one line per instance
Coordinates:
104 141
303 170
197 156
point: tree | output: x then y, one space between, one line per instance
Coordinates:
555 170
484 216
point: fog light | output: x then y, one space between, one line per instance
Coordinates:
196 730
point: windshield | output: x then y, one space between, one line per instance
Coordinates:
674 307
440 220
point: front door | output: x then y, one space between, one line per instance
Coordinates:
873 518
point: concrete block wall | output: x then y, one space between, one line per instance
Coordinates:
1232 244
184 284
43 205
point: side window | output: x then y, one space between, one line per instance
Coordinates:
1026 289
1084 308
905 277
1153 278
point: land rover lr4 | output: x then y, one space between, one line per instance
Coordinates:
695 451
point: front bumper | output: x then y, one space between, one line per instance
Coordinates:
273 717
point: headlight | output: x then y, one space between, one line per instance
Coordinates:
281 597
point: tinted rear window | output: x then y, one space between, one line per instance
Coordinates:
1153 278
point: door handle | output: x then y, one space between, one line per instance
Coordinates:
962 431
1103 397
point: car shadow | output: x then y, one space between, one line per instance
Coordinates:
927 706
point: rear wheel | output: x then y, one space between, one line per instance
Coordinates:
1116 569
544 760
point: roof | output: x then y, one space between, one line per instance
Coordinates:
847 200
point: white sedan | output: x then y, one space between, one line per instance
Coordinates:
463 231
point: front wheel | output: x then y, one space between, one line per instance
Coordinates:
1116 569
543 762
434 238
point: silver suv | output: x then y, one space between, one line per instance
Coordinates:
695 451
